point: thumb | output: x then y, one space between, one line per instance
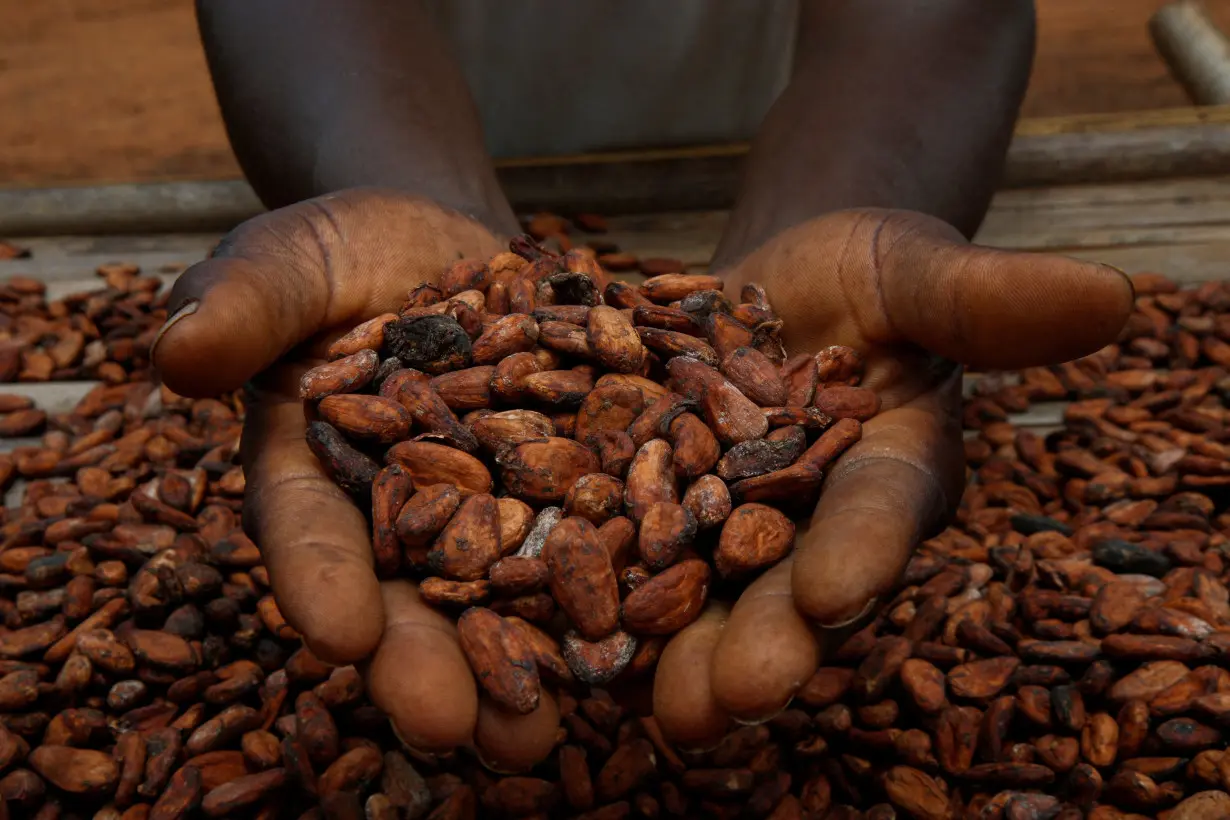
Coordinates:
234 314
997 309
284 277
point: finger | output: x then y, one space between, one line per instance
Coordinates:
885 495
313 539
283 277
683 701
269 286
766 652
419 676
992 308
510 744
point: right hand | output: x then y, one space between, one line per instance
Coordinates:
259 312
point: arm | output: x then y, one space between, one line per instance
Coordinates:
319 96
892 105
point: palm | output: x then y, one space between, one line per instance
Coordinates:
829 289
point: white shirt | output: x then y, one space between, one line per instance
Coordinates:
554 77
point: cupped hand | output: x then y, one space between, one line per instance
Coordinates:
919 302
259 312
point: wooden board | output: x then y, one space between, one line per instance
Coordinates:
1178 226
54 397
1144 145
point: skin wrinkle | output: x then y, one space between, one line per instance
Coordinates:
257 525
967 269
901 241
307 482
324 255
945 415
877 279
844 270
885 505
324 206
847 467
868 453
282 476
328 558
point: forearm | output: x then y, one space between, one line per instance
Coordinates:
892 104
320 95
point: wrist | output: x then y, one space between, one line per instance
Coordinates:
904 107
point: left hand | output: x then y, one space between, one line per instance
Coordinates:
919 302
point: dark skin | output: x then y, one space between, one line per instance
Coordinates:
868 177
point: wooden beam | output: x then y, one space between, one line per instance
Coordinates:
1096 148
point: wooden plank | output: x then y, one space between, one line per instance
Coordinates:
1066 150
8 445
1091 240
54 397
1179 226
59 288
1186 264
1041 430
1090 122
1043 413
1191 200
1044 151
54 258
1105 215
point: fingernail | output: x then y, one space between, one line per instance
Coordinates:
411 749
478 755
1125 276
849 621
765 719
185 310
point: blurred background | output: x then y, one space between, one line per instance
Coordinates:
98 91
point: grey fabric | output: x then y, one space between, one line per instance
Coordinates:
555 77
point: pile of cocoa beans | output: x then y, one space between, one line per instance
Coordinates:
618 447
103 334
1061 651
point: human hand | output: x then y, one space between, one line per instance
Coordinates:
918 301
261 311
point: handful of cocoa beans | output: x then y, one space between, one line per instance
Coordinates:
568 463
